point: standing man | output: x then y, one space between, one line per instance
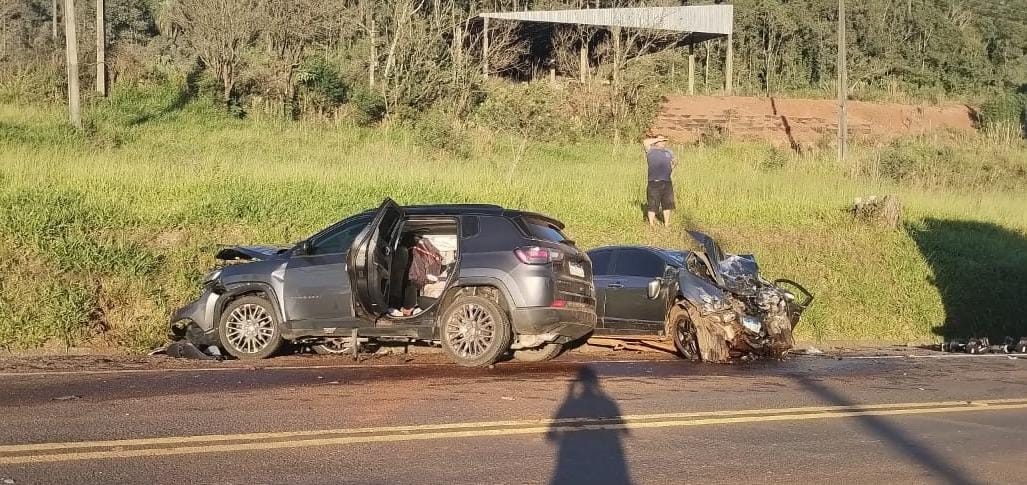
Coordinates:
659 189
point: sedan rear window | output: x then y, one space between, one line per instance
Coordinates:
542 230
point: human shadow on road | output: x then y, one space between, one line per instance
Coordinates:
587 431
942 469
980 270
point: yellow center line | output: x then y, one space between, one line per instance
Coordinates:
178 445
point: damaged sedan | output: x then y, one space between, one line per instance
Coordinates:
713 306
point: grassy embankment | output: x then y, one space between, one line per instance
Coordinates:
102 235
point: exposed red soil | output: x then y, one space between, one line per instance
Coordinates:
801 122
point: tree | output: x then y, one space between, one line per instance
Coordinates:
288 28
219 32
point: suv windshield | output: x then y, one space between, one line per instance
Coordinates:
540 229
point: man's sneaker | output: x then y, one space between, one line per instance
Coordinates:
417 311
393 312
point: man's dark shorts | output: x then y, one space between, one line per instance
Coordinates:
659 195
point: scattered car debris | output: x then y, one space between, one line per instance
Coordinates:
633 343
983 346
183 349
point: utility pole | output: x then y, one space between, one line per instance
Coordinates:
372 62
691 70
485 49
71 54
54 9
843 85
101 48
616 58
583 62
729 65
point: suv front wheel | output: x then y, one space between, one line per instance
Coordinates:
248 328
475 331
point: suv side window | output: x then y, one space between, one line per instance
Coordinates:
636 262
601 262
340 240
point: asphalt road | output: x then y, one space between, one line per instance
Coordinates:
805 420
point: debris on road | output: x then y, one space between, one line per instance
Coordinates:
70 397
183 349
809 351
983 346
633 343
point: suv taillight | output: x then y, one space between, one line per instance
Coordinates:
538 255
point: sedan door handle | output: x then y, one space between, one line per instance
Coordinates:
615 285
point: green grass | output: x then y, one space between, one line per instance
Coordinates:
104 233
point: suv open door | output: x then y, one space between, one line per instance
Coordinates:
370 260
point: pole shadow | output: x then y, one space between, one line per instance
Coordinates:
980 270
902 442
590 451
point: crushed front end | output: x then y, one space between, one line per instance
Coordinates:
736 312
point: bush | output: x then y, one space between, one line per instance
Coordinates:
369 107
1004 108
437 129
529 110
322 89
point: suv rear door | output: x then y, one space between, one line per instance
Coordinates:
370 259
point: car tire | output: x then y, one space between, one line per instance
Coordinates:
249 329
682 332
475 331
538 354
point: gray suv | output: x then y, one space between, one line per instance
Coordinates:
510 282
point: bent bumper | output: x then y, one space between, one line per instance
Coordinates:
196 319
569 323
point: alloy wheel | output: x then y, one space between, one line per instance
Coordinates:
471 330
250 328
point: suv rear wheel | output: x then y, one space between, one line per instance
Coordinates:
248 328
475 331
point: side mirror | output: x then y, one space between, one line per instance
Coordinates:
303 249
653 289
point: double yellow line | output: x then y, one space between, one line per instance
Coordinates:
179 445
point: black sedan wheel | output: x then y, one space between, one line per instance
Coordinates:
682 332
